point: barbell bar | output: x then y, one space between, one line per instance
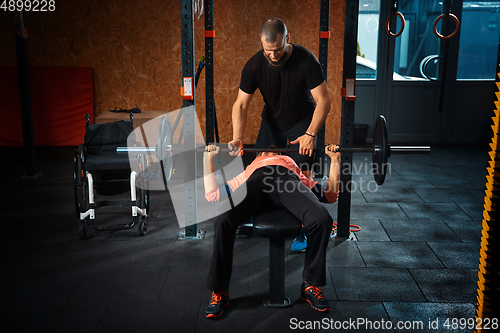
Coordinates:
393 149
381 149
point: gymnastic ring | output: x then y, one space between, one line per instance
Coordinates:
388 24
457 24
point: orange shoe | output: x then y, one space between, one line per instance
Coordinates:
314 296
216 307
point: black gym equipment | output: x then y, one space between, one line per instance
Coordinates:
380 154
347 116
394 12
277 224
98 169
381 149
455 19
211 130
189 115
324 37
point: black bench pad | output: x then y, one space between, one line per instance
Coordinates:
276 222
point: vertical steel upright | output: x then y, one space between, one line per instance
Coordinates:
347 118
447 79
385 59
209 71
324 36
189 116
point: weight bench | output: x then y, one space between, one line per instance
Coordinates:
277 224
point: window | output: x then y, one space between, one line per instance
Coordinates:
479 35
416 51
415 43
368 22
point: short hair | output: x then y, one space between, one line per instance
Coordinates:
270 147
272 29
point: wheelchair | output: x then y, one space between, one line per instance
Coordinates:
99 169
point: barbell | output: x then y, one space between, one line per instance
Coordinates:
381 149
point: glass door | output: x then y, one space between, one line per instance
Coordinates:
426 86
415 94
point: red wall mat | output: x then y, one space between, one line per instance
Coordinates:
60 98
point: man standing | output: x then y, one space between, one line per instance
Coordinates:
295 94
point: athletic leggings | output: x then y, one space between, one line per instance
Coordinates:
268 187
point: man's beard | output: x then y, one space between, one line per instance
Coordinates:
281 61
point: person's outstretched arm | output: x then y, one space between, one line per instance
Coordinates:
334 176
239 118
208 168
323 106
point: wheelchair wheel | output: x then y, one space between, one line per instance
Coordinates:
84 206
143 202
81 189
82 229
78 181
77 196
143 226
143 182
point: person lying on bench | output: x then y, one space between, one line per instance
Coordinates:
272 180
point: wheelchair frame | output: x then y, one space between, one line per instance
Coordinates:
84 191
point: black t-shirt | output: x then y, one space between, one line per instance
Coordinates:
286 89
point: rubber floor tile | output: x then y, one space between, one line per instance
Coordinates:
457 255
435 211
150 316
123 282
344 316
54 316
466 231
419 231
430 317
371 231
445 195
390 211
375 284
447 285
383 194
398 255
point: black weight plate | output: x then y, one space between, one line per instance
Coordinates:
381 150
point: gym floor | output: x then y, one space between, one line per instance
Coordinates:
414 260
